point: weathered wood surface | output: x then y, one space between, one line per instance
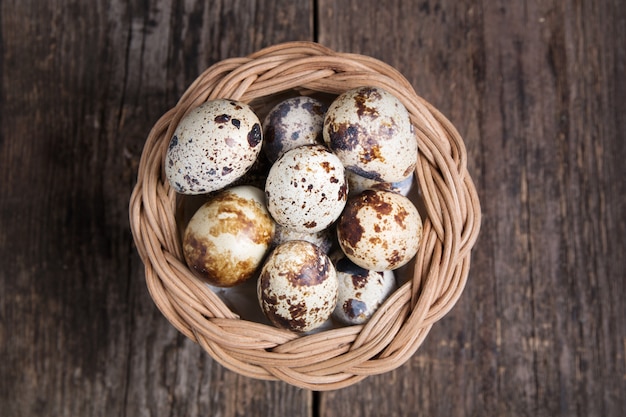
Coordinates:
538 91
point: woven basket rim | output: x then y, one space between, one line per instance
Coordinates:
338 357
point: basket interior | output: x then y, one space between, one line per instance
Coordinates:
242 299
338 356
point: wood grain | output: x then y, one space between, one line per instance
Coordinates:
82 83
537 90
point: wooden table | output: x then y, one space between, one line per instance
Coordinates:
538 91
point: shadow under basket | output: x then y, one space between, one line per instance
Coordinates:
336 357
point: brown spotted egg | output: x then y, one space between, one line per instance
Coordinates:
213 146
306 189
294 122
371 132
361 291
379 230
358 184
297 286
228 237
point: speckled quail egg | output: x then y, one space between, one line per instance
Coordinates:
306 189
323 239
361 291
379 230
212 146
358 184
371 132
227 238
297 286
294 122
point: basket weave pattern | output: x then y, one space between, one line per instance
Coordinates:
333 358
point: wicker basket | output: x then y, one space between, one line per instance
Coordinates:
337 357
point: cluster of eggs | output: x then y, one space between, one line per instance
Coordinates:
328 222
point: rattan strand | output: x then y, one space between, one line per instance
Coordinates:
333 358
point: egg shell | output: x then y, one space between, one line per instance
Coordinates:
306 189
323 239
361 291
370 130
294 122
213 146
358 184
379 230
228 237
297 286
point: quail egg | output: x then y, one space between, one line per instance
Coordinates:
228 236
361 291
379 230
371 132
306 189
297 286
213 146
294 122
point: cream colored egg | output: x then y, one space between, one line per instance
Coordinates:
306 189
213 146
361 291
379 230
228 237
297 286
371 132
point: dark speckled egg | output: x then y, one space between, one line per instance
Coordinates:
371 132
213 146
294 122
297 287
379 230
306 189
361 291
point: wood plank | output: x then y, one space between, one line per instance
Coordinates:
82 83
536 89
